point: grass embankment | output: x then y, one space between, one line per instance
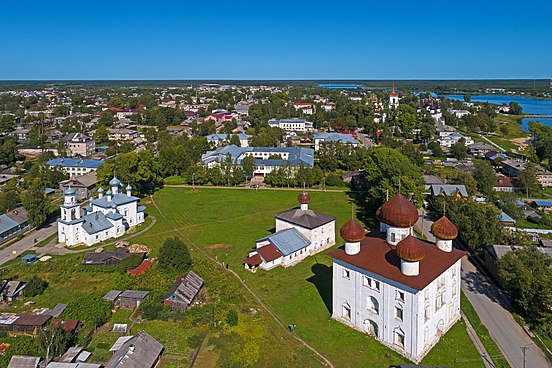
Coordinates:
491 347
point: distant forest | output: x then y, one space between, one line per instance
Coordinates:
439 86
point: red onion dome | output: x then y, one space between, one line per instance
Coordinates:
304 198
352 231
444 229
398 212
410 249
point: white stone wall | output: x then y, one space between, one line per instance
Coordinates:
373 301
321 237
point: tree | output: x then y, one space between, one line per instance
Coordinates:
527 179
35 286
436 149
232 317
469 182
235 140
385 168
467 98
130 262
459 149
174 256
477 224
485 176
36 203
527 276
90 309
54 340
248 165
515 108
102 134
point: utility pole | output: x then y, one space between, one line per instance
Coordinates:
524 349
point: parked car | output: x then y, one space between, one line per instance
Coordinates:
254 186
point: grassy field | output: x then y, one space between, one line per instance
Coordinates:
225 223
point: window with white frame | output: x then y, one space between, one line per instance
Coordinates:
346 273
399 338
372 304
346 312
399 313
399 295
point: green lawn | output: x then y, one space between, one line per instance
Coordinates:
226 223
483 333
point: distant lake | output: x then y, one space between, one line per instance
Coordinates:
529 105
339 86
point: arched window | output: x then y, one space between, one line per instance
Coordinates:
371 328
372 304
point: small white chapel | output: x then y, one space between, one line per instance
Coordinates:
108 216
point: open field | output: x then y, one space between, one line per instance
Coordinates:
225 223
301 294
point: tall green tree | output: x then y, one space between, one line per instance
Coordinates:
527 180
485 176
515 108
36 203
54 340
174 256
527 276
459 149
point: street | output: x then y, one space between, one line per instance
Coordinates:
27 243
491 305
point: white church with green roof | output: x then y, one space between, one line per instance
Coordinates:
108 216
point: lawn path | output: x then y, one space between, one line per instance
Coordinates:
257 298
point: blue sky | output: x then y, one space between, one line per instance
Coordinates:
275 39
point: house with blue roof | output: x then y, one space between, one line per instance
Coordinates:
300 232
74 166
108 216
267 159
321 138
13 223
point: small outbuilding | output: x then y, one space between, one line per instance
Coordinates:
112 296
21 361
183 292
131 299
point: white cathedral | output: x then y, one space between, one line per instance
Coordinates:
108 216
402 290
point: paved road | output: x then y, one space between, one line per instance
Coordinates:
27 243
492 306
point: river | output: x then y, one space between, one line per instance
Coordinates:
529 105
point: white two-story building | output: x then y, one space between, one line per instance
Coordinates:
401 290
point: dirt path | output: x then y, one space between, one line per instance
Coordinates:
257 298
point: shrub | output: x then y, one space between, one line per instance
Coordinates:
35 286
194 341
152 311
232 317
130 262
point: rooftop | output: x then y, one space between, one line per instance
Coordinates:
378 257
308 219
287 241
74 162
